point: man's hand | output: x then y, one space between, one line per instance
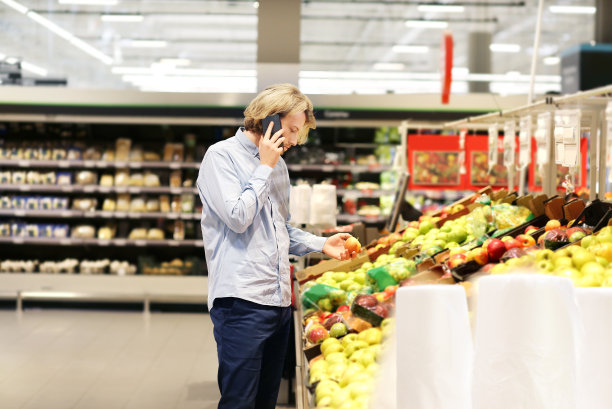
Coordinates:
269 147
334 247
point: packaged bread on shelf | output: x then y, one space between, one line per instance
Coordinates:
151 180
108 155
18 177
123 202
33 178
155 234
138 233
122 149
176 178
164 203
86 177
151 156
64 178
138 205
136 154
122 177
152 205
5 177
109 205
107 180
136 180
92 154
174 152
84 231
179 230
85 204
106 232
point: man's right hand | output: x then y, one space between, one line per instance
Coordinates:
269 147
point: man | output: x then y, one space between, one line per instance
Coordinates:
244 188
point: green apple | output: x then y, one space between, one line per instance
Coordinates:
354 346
593 268
349 338
563 261
338 330
602 260
359 389
582 257
340 276
329 342
341 396
351 370
371 335
570 273
336 358
326 388
545 265
546 254
425 226
588 241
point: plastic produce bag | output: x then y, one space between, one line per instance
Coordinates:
507 216
479 221
382 277
324 297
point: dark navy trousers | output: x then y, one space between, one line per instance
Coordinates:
251 346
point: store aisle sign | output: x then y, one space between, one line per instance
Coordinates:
543 138
525 133
493 145
567 137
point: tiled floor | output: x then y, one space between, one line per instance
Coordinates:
65 359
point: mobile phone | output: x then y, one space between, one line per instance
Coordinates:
275 128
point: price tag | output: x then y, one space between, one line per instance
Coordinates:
120 189
63 164
567 137
104 189
135 190
140 243
103 242
543 138
66 213
121 164
120 242
89 189
20 213
172 215
174 243
328 168
509 143
106 214
296 168
18 240
120 215
609 138
67 189
525 141
176 190
89 164
102 164
135 215
493 145
24 188
175 165
65 242
136 165
23 163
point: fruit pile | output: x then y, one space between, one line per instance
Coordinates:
587 264
344 373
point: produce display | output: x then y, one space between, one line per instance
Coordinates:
347 314
435 168
480 175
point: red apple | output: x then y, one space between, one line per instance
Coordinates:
506 238
352 245
496 249
456 260
530 229
512 243
480 255
343 308
366 300
317 334
485 244
552 224
526 240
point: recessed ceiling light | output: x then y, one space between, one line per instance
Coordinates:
572 9
122 18
505 48
144 43
552 60
426 24
90 2
389 66
440 8
410 49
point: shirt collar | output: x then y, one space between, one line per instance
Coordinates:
246 142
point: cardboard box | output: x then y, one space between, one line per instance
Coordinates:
317 270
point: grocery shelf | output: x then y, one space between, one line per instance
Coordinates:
96 189
99 164
98 214
338 168
364 192
69 241
355 218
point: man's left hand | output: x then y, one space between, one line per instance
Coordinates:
334 247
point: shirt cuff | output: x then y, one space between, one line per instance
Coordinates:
263 171
318 243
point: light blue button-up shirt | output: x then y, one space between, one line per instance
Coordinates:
245 213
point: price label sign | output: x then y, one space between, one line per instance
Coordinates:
567 137
525 133
509 143
543 138
493 145
462 135
609 137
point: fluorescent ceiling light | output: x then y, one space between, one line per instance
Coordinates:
34 69
122 18
15 5
513 74
440 8
505 48
90 2
410 49
572 9
177 62
182 72
12 60
389 66
144 43
71 38
426 24
552 60
460 71
256 4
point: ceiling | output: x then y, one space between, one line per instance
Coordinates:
336 37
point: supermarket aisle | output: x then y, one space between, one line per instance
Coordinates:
56 359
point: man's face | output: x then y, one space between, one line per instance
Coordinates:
292 125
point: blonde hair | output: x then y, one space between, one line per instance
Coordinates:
282 99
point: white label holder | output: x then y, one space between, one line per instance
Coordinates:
525 133
493 145
543 138
609 139
462 135
509 152
567 137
